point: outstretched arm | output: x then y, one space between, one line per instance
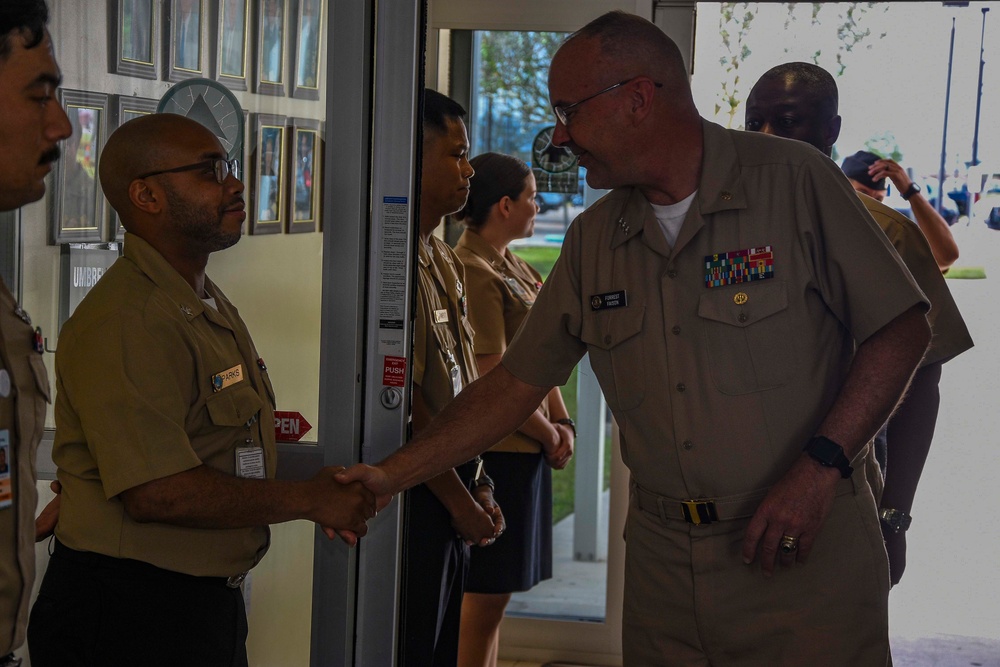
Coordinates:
203 497
486 411
798 504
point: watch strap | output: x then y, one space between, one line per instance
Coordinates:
897 521
910 191
829 455
567 422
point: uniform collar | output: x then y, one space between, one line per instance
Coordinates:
166 277
481 247
720 188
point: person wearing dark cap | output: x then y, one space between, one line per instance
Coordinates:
868 173
799 101
33 125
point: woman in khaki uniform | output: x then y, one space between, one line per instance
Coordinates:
501 287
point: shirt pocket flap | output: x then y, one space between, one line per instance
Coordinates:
444 337
607 329
234 406
745 306
41 376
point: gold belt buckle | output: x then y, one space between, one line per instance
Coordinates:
699 512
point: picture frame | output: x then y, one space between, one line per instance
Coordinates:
305 183
187 55
307 39
123 109
77 210
268 174
269 70
132 38
233 43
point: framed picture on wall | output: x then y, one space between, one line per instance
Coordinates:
306 180
132 43
124 108
307 36
77 202
267 197
186 31
233 42
269 77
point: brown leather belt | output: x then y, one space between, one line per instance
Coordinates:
701 510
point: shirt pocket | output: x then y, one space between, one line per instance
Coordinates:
616 354
748 337
234 406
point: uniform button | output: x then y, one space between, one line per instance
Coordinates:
672 273
676 331
607 340
681 386
688 445
742 317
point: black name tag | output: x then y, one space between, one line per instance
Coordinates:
609 300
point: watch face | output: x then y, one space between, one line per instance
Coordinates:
211 104
549 157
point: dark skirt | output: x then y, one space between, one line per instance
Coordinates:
522 556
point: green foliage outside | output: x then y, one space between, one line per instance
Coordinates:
563 481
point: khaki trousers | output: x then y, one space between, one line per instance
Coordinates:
690 601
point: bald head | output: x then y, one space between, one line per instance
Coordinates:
618 45
142 145
797 101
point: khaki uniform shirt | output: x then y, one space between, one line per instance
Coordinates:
501 290
139 399
24 391
951 336
442 335
717 388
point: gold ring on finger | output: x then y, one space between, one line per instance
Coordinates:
788 544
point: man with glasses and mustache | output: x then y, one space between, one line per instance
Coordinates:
164 429
723 291
33 124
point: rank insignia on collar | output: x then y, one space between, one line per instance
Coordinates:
187 310
739 266
624 225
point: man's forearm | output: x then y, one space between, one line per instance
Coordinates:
207 498
936 231
878 377
484 413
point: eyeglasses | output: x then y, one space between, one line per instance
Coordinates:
222 169
562 109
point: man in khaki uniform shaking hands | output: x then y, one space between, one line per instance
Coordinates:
164 429
723 290
33 125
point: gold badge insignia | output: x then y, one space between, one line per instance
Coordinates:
740 298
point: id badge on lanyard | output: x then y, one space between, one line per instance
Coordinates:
456 374
250 459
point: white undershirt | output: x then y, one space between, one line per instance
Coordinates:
671 217
210 301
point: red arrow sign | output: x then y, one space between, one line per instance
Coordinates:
290 426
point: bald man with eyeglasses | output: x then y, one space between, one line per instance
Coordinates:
164 439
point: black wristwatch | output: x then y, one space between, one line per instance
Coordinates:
829 454
568 422
897 521
910 191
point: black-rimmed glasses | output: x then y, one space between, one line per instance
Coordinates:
222 169
562 109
